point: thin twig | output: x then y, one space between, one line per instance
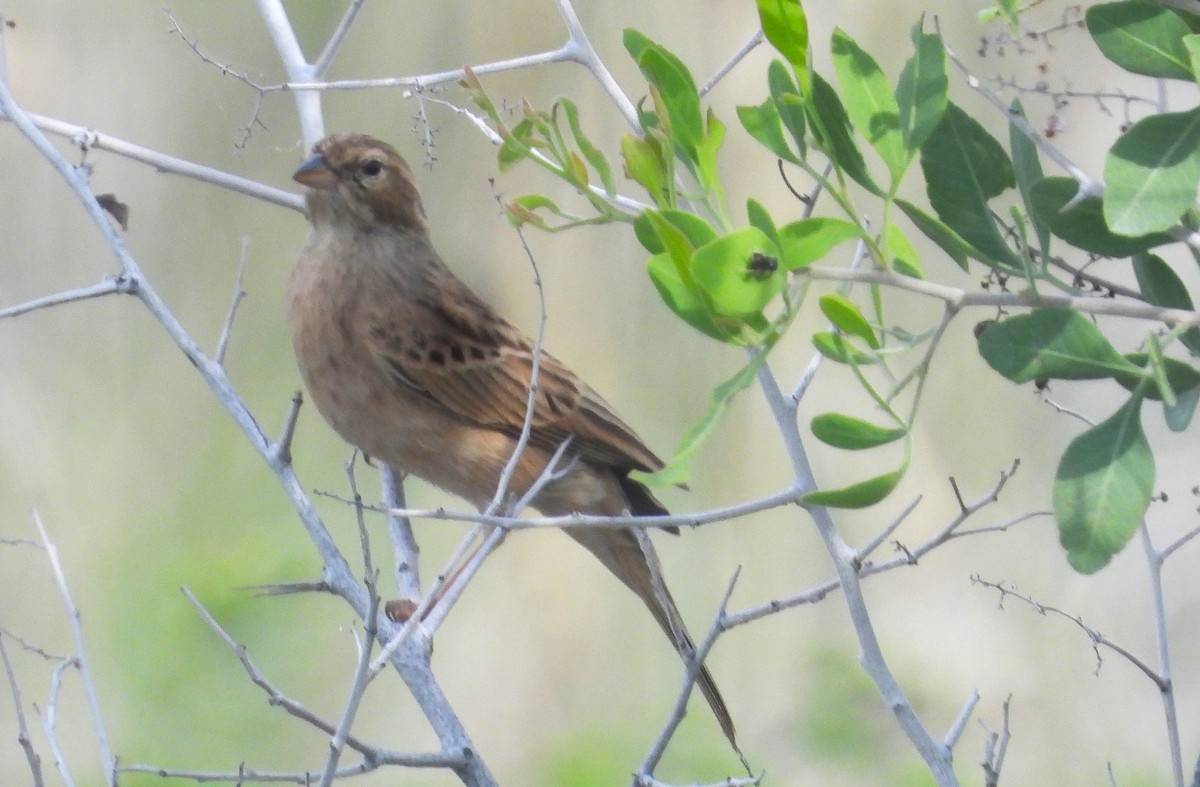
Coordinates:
80 658
31 755
239 293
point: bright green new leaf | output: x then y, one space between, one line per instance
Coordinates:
683 299
860 495
950 241
758 217
1152 172
644 166
902 253
1083 226
764 124
835 347
847 317
869 102
921 93
853 434
676 471
965 167
723 268
678 91
1142 37
786 27
805 241
1192 44
1161 286
586 147
697 231
1052 343
831 125
1102 488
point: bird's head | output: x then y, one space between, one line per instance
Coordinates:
358 179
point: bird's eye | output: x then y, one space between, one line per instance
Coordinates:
371 168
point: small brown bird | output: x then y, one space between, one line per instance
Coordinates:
409 365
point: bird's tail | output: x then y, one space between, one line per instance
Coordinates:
635 563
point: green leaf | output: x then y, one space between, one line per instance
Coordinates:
676 471
933 228
1051 343
1027 167
721 267
696 230
764 124
921 93
1178 376
1192 43
832 127
835 347
860 495
869 102
635 43
964 168
901 252
788 103
847 318
1161 286
1102 488
1083 226
678 91
1180 414
1152 172
1145 38
758 217
805 241
786 27
644 166
853 434
682 298
587 148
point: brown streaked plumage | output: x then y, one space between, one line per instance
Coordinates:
409 365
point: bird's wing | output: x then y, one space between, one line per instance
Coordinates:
460 354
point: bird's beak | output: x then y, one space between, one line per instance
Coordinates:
316 174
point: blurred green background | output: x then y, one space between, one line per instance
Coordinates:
559 676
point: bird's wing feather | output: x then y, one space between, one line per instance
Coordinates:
471 361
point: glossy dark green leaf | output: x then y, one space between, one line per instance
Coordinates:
933 228
1102 488
869 101
921 93
1152 172
964 168
1161 286
1142 37
1179 376
1027 166
832 127
1051 343
1083 226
